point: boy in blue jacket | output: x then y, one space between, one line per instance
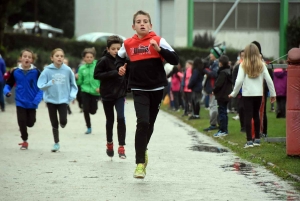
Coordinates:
28 95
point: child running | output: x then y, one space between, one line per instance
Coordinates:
58 83
147 79
27 94
113 92
89 86
251 75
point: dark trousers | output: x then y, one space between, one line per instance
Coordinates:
79 98
196 99
146 104
252 111
241 111
281 106
265 118
26 118
177 99
223 117
2 103
62 113
187 102
90 106
108 107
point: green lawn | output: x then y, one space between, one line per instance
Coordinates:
271 155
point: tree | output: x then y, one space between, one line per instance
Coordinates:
204 41
293 33
59 14
7 8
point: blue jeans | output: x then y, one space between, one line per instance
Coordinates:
2 104
222 110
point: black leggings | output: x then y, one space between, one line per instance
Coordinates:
26 118
62 112
109 113
146 104
251 110
90 106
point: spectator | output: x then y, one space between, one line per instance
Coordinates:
36 30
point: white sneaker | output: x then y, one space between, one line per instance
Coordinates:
236 117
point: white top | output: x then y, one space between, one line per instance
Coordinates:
253 86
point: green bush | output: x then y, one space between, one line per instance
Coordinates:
14 43
204 41
293 33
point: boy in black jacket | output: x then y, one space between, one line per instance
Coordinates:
223 86
113 90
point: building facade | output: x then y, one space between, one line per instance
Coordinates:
250 20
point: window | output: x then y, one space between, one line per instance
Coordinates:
269 16
247 16
203 15
221 11
294 10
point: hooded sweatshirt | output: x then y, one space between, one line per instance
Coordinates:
146 64
280 82
86 79
58 84
27 94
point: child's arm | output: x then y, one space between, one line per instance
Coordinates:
9 84
269 81
213 71
79 77
73 86
166 51
238 83
43 83
101 72
39 96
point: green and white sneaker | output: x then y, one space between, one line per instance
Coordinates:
139 172
55 147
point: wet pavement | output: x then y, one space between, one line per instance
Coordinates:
183 164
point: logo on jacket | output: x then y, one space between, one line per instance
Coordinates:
141 49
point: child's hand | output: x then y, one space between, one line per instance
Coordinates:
98 90
8 94
122 70
229 96
155 45
273 99
76 75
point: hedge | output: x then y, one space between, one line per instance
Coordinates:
14 43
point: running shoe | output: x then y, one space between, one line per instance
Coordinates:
139 172
24 145
110 149
121 152
56 147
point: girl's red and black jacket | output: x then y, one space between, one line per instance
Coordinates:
146 70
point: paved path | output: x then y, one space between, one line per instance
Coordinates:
81 171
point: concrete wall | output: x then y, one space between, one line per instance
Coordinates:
115 16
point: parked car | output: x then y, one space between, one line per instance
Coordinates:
46 29
97 37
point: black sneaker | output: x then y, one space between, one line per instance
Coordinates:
193 117
211 128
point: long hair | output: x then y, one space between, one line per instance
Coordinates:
198 64
252 64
